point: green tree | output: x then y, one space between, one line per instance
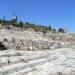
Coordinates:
61 30
1 21
21 24
49 27
27 23
54 30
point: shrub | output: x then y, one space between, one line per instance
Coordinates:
61 30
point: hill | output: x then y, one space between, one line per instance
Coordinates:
29 39
35 50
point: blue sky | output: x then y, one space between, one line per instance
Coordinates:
57 13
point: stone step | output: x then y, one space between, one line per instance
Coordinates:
28 56
9 53
28 70
23 72
9 69
13 60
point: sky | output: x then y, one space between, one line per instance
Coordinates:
57 13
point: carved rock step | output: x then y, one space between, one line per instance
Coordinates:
13 60
9 69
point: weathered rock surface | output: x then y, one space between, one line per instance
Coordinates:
31 40
48 62
33 53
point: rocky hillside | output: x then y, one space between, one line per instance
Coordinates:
20 39
27 52
30 49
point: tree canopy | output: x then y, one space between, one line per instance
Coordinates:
26 25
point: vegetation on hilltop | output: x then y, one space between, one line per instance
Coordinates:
27 25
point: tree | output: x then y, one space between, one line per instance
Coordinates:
49 27
4 21
14 20
1 21
27 23
54 30
61 30
21 24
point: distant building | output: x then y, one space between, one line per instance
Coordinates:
14 17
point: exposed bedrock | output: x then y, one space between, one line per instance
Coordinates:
31 40
24 44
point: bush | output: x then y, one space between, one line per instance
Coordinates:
1 21
54 30
61 30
